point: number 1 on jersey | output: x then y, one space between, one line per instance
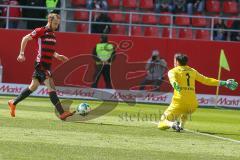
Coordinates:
188 79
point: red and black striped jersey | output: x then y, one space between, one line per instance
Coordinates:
46 42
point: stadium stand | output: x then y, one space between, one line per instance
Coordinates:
117 16
202 34
151 31
229 22
136 31
146 5
132 4
125 14
135 18
199 21
118 29
81 15
149 19
182 20
230 7
165 18
185 33
82 27
114 3
78 2
166 33
213 6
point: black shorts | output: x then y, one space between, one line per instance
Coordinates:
41 75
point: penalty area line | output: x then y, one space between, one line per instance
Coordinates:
208 135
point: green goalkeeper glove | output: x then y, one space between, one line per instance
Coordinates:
176 86
230 83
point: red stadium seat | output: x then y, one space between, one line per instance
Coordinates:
151 31
165 19
82 27
149 19
230 7
114 3
182 20
118 29
78 2
213 6
136 18
81 15
117 16
199 21
166 33
229 22
146 4
136 31
130 3
185 33
203 34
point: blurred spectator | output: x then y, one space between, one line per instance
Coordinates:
52 4
155 68
34 13
101 28
2 20
235 36
163 5
13 12
219 34
97 4
179 6
195 6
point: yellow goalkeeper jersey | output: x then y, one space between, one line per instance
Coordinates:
186 76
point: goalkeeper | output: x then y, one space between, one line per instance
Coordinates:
184 100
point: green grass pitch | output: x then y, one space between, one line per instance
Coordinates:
125 133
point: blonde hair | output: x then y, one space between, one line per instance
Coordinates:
53 16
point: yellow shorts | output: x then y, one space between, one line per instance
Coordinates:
175 110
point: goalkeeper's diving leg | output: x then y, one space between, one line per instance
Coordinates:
169 119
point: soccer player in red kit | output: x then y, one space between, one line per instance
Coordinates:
46 41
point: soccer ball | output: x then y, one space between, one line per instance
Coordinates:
83 109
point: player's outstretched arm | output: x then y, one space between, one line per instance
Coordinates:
206 80
230 83
60 57
25 39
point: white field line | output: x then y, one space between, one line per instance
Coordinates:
208 135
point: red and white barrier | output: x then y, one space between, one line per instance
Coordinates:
119 95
